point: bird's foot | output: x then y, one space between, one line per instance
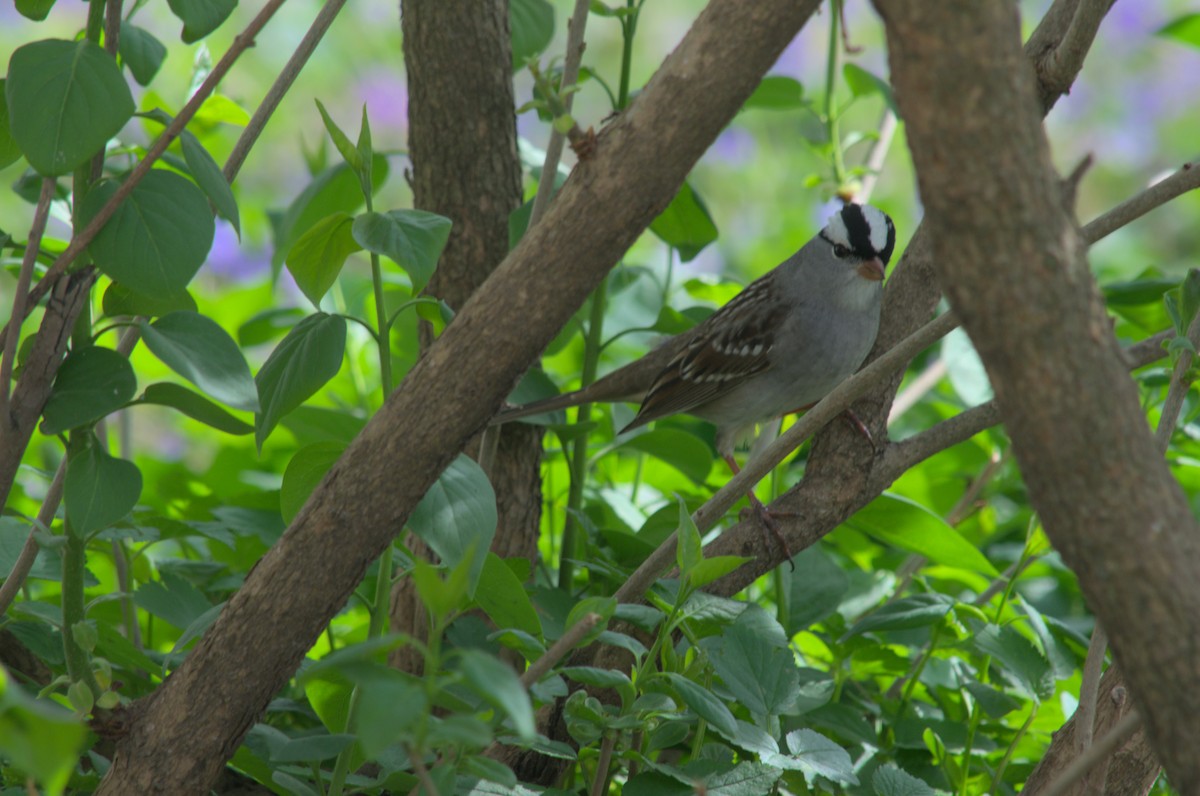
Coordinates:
861 428
769 520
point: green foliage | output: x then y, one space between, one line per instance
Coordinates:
893 661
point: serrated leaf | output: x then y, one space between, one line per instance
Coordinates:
65 100
1019 658
195 406
198 349
159 236
173 599
816 756
301 364
99 489
756 667
91 383
413 239
816 588
317 256
688 551
457 517
891 781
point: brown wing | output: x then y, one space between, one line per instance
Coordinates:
731 346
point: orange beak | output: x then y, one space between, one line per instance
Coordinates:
871 269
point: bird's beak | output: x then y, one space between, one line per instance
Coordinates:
871 269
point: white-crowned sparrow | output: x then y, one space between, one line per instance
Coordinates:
780 345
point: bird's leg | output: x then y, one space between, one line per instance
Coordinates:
860 427
765 516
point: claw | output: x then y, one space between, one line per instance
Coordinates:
766 517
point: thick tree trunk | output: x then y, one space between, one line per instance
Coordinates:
462 142
1014 267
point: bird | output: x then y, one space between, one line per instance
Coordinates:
779 346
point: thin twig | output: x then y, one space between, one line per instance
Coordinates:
422 774
878 154
916 389
1099 751
280 87
603 762
112 26
1089 688
1177 389
81 239
559 649
570 74
28 555
1158 194
24 277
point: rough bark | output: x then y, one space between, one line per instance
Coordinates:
181 736
462 142
1014 267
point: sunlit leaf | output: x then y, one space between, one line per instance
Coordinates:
532 25
777 92
317 256
685 224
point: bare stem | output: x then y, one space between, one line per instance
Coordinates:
559 649
24 277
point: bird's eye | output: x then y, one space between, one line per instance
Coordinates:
840 251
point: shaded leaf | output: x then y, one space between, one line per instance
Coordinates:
195 406
65 100
141 52
198 349
685 224
211 179
683 451
317 256
301 364
413 239
91 383
158 237
777 92
503 598
863 83
532 25
457 517
201 17
496 684
919 610
305 470
120 300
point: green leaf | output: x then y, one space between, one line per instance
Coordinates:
777 92
92 382
346 149
65 100
173 599
366 150
38 737
816 589
503 598
98 489
909 526
685 224
198 349
532 26
311 748
37 10
1025 664
195 406
158 237
200 17
863 83
757 667
919 610
497 684
1184 29
1189 298
688 550
819 756
120 300
268 325
306 469
714 568
704 704
116 648
391 706
457 517
9 151
413 239
211 179
317 256
891 781
337 189
141 52
683 451
13 533
309 356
